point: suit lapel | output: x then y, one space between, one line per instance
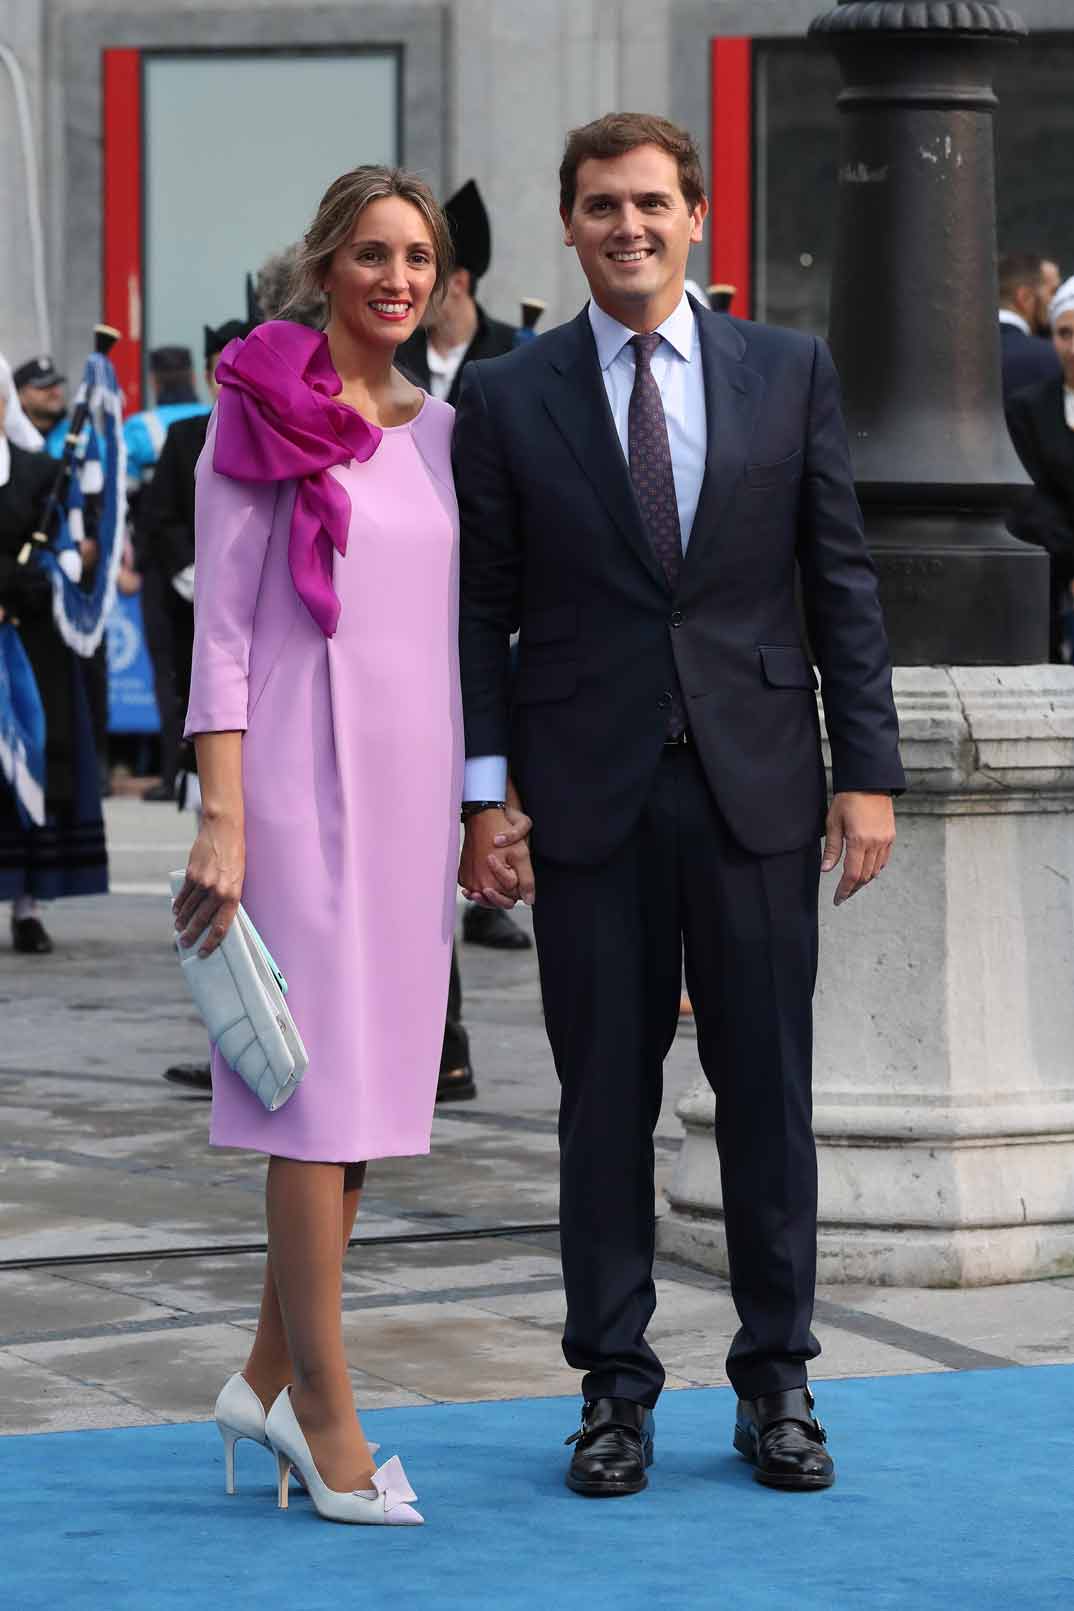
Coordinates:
574 396
733 397
1052 424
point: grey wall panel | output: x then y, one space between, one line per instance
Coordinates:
86 31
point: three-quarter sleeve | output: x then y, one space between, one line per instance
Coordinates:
232 526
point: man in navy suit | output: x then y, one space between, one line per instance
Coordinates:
639 490
1027 284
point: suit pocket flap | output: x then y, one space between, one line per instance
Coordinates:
768 475
785 666
549 626
537 683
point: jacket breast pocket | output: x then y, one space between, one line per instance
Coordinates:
784 665
775 474
539 684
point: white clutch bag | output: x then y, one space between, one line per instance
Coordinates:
240 993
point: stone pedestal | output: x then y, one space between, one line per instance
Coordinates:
944 1069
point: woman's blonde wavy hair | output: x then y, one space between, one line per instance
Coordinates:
341 204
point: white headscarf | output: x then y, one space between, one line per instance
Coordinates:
17 428
1063 300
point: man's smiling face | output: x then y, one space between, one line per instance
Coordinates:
632 229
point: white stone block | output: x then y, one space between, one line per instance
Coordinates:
944 1012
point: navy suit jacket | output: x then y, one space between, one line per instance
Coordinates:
1026 360
553 542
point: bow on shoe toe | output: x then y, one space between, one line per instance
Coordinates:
386 1503
390 1481
783 1441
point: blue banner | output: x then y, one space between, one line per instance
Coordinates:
132 704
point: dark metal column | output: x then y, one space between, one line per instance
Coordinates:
914 330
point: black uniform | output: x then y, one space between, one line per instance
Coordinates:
491 340
166 547
1045 443
67 856
1026 360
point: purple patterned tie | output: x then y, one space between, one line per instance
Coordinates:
654 485
650 461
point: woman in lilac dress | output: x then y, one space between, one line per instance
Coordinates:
326 713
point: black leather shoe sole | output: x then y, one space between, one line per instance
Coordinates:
602 1488
788 1481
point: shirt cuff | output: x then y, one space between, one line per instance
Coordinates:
485 778
183 583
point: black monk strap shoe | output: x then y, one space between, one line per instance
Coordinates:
492 926
783 1441
456 1085
195 1076
613 1448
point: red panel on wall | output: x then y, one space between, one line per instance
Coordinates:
123 214
732 177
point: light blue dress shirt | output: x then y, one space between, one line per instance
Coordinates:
677 370
144 435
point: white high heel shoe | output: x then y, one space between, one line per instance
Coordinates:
240 1414
385 1504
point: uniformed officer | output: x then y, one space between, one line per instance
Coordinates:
43 395
457 329
42 391
171 378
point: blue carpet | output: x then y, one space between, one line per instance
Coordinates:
954 1491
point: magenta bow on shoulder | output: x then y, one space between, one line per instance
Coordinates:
277 421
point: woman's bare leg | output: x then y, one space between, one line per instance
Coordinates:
306 1206
268 1369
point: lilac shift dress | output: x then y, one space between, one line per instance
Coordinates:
352 778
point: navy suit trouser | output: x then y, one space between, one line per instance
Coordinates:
611 940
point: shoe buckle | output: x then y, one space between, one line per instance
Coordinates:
817 1427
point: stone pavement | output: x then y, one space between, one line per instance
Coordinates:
105 1175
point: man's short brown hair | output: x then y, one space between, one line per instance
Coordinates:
619 132
1018 269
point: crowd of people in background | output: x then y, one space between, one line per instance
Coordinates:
64 853
1037 341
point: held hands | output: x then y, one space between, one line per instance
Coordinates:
863 824
210 896
495 869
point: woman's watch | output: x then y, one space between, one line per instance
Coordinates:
474 808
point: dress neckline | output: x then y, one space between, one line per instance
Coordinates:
391 430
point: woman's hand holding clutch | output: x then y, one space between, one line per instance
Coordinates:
210 896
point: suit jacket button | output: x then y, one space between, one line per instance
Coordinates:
665 701
676 618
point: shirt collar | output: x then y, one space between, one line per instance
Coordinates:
1008 316
678 330
441 362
